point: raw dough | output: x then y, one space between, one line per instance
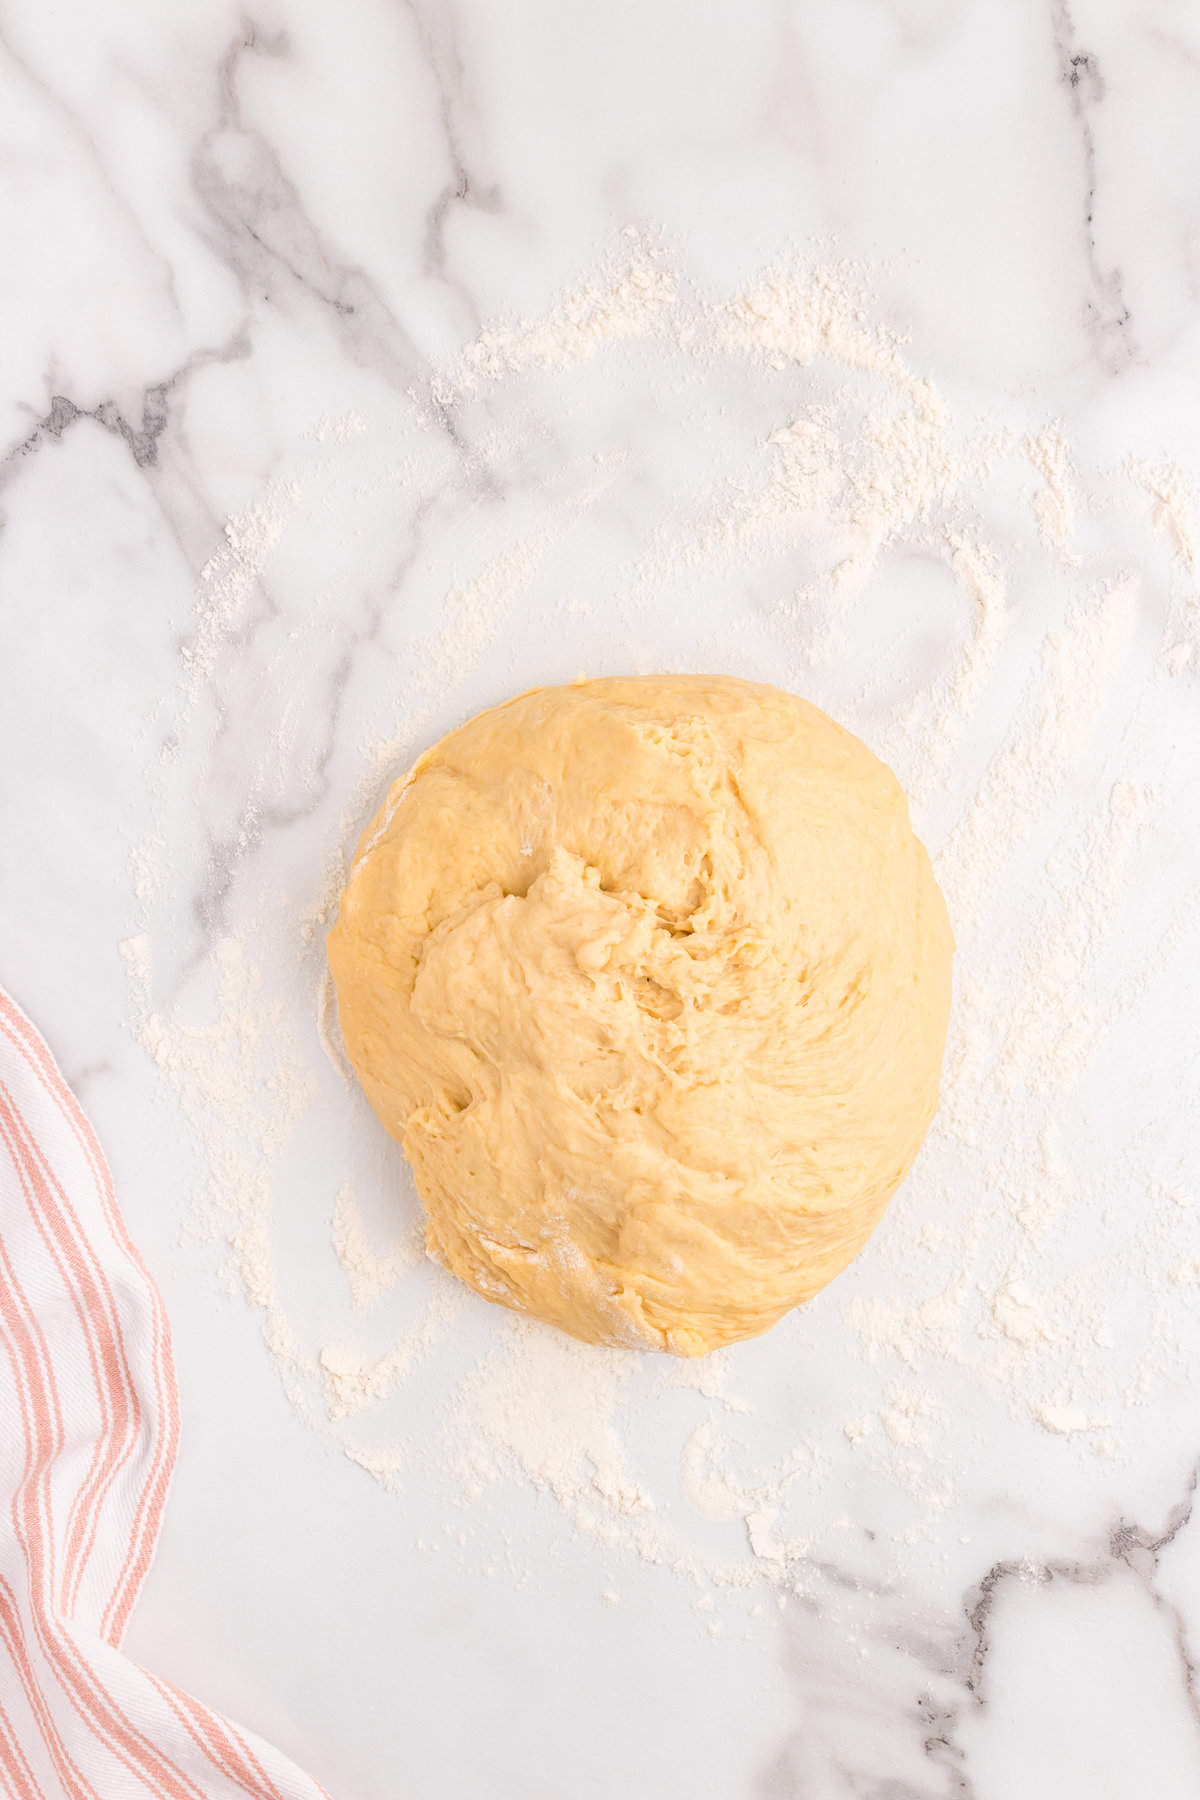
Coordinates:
650 977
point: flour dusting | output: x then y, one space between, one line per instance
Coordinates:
1031 1283
370 1273
631 303
1174 507
1054 503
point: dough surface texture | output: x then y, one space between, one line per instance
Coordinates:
651 978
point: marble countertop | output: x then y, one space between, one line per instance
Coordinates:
364 364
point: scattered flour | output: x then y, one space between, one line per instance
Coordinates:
1174 510
980 576
631 304
353 1381
1064 1420
1079 664
877 477
904 1420
550 1405
1017 1314
1052 1022
387 1467
370 1274
1054 504
1006 1264
231 576
232 1083
711 1492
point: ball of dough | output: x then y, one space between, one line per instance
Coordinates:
650 977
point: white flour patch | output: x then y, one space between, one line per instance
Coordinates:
1054 503
1174 508
631 303
231 577
1064 1420
551 1406
371 1274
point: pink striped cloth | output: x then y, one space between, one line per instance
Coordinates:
89 1427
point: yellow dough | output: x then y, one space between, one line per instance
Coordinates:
650 977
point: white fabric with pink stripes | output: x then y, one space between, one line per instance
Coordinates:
89 1426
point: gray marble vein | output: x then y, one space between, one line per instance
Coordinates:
1109 322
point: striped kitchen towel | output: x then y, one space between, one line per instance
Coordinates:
89 1426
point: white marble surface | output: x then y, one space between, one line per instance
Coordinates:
243 250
